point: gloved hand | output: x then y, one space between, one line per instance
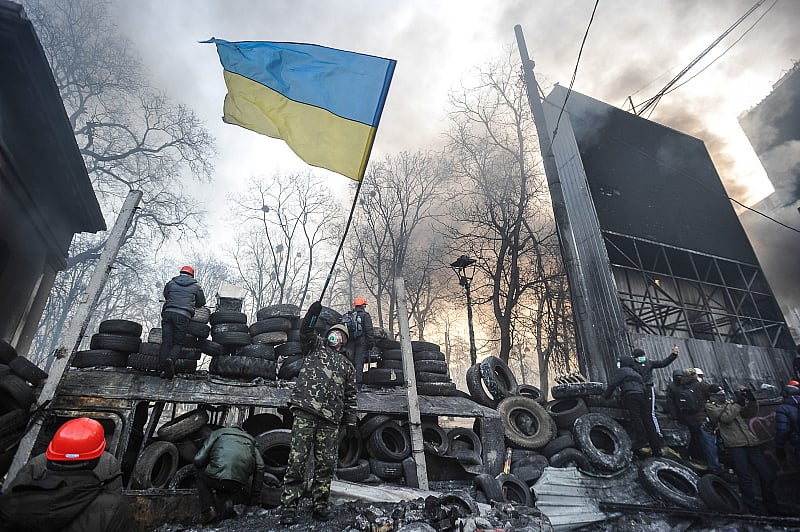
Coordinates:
352 431
739 397
311 316
780 454
748 394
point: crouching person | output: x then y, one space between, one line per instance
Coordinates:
230 471
73 487
742 444
324 396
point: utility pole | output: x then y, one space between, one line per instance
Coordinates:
77 328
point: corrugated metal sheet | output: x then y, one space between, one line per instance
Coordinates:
570 499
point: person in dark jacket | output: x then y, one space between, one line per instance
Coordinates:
632 388
324 397
182 295
672 394
74 469
702 444
787 422
645 368
230 467
362 337
742 444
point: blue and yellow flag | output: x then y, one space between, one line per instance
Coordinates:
323 102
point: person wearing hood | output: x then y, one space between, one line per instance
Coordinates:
632 388
742 444
691 398
645 368
182 294
787 422
672 394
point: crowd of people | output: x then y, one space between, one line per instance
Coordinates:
717 422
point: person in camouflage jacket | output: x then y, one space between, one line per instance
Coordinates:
324 397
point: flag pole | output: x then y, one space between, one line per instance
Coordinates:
344 236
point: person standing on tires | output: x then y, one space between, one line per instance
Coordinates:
742 444
361 334
690 401
75 468
230 467
182 294
324 396
645 368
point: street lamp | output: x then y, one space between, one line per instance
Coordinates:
465 269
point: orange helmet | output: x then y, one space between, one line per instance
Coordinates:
793 383
357 302
77 439
188 269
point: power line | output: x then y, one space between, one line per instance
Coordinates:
574 72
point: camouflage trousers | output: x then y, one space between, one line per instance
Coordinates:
310 431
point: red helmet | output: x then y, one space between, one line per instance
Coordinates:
77 439
357 302
188 269
793 383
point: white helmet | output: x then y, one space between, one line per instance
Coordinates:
699 373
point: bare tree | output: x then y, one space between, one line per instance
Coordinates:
501 215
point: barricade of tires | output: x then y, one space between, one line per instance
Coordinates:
111 346
18 377
148 358
430 369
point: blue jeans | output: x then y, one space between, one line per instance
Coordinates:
743 459
709 443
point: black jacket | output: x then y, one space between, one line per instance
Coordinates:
182 295
645 369
626 378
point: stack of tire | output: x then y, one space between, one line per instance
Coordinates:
17 374
278 329
148 359
168 461
239 358
430 368
111 346
388 453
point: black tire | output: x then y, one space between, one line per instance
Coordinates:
392 354
350 449
247 368
270 325
604 442
460 498
531 391
528 474
385 344
99 357
232 339
143 362
227 316
212 348
372 422
437 388
326 319
7 352
490 487
719 495
431 366
183 478
570 456
355 473
565 411
222 328
278 311
558 444
435 440
526 422
155 466
389 442
290 368
271 338
13 422
670 482
190 353
476 389
288 349
386 470
15 393
498 377
186 451
577 389
187 366
198 330
617 414
201 315
424 376
149 348
384 377
123 327
256 351
260 423
390 364
419 356
515 490
418 345
463 439
183 426
274 447
24 368
117 342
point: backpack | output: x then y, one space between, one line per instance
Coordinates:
686 400
352 320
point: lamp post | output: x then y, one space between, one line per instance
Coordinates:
465 269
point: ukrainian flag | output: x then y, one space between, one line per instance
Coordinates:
323 102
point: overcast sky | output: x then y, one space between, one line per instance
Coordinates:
633 48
